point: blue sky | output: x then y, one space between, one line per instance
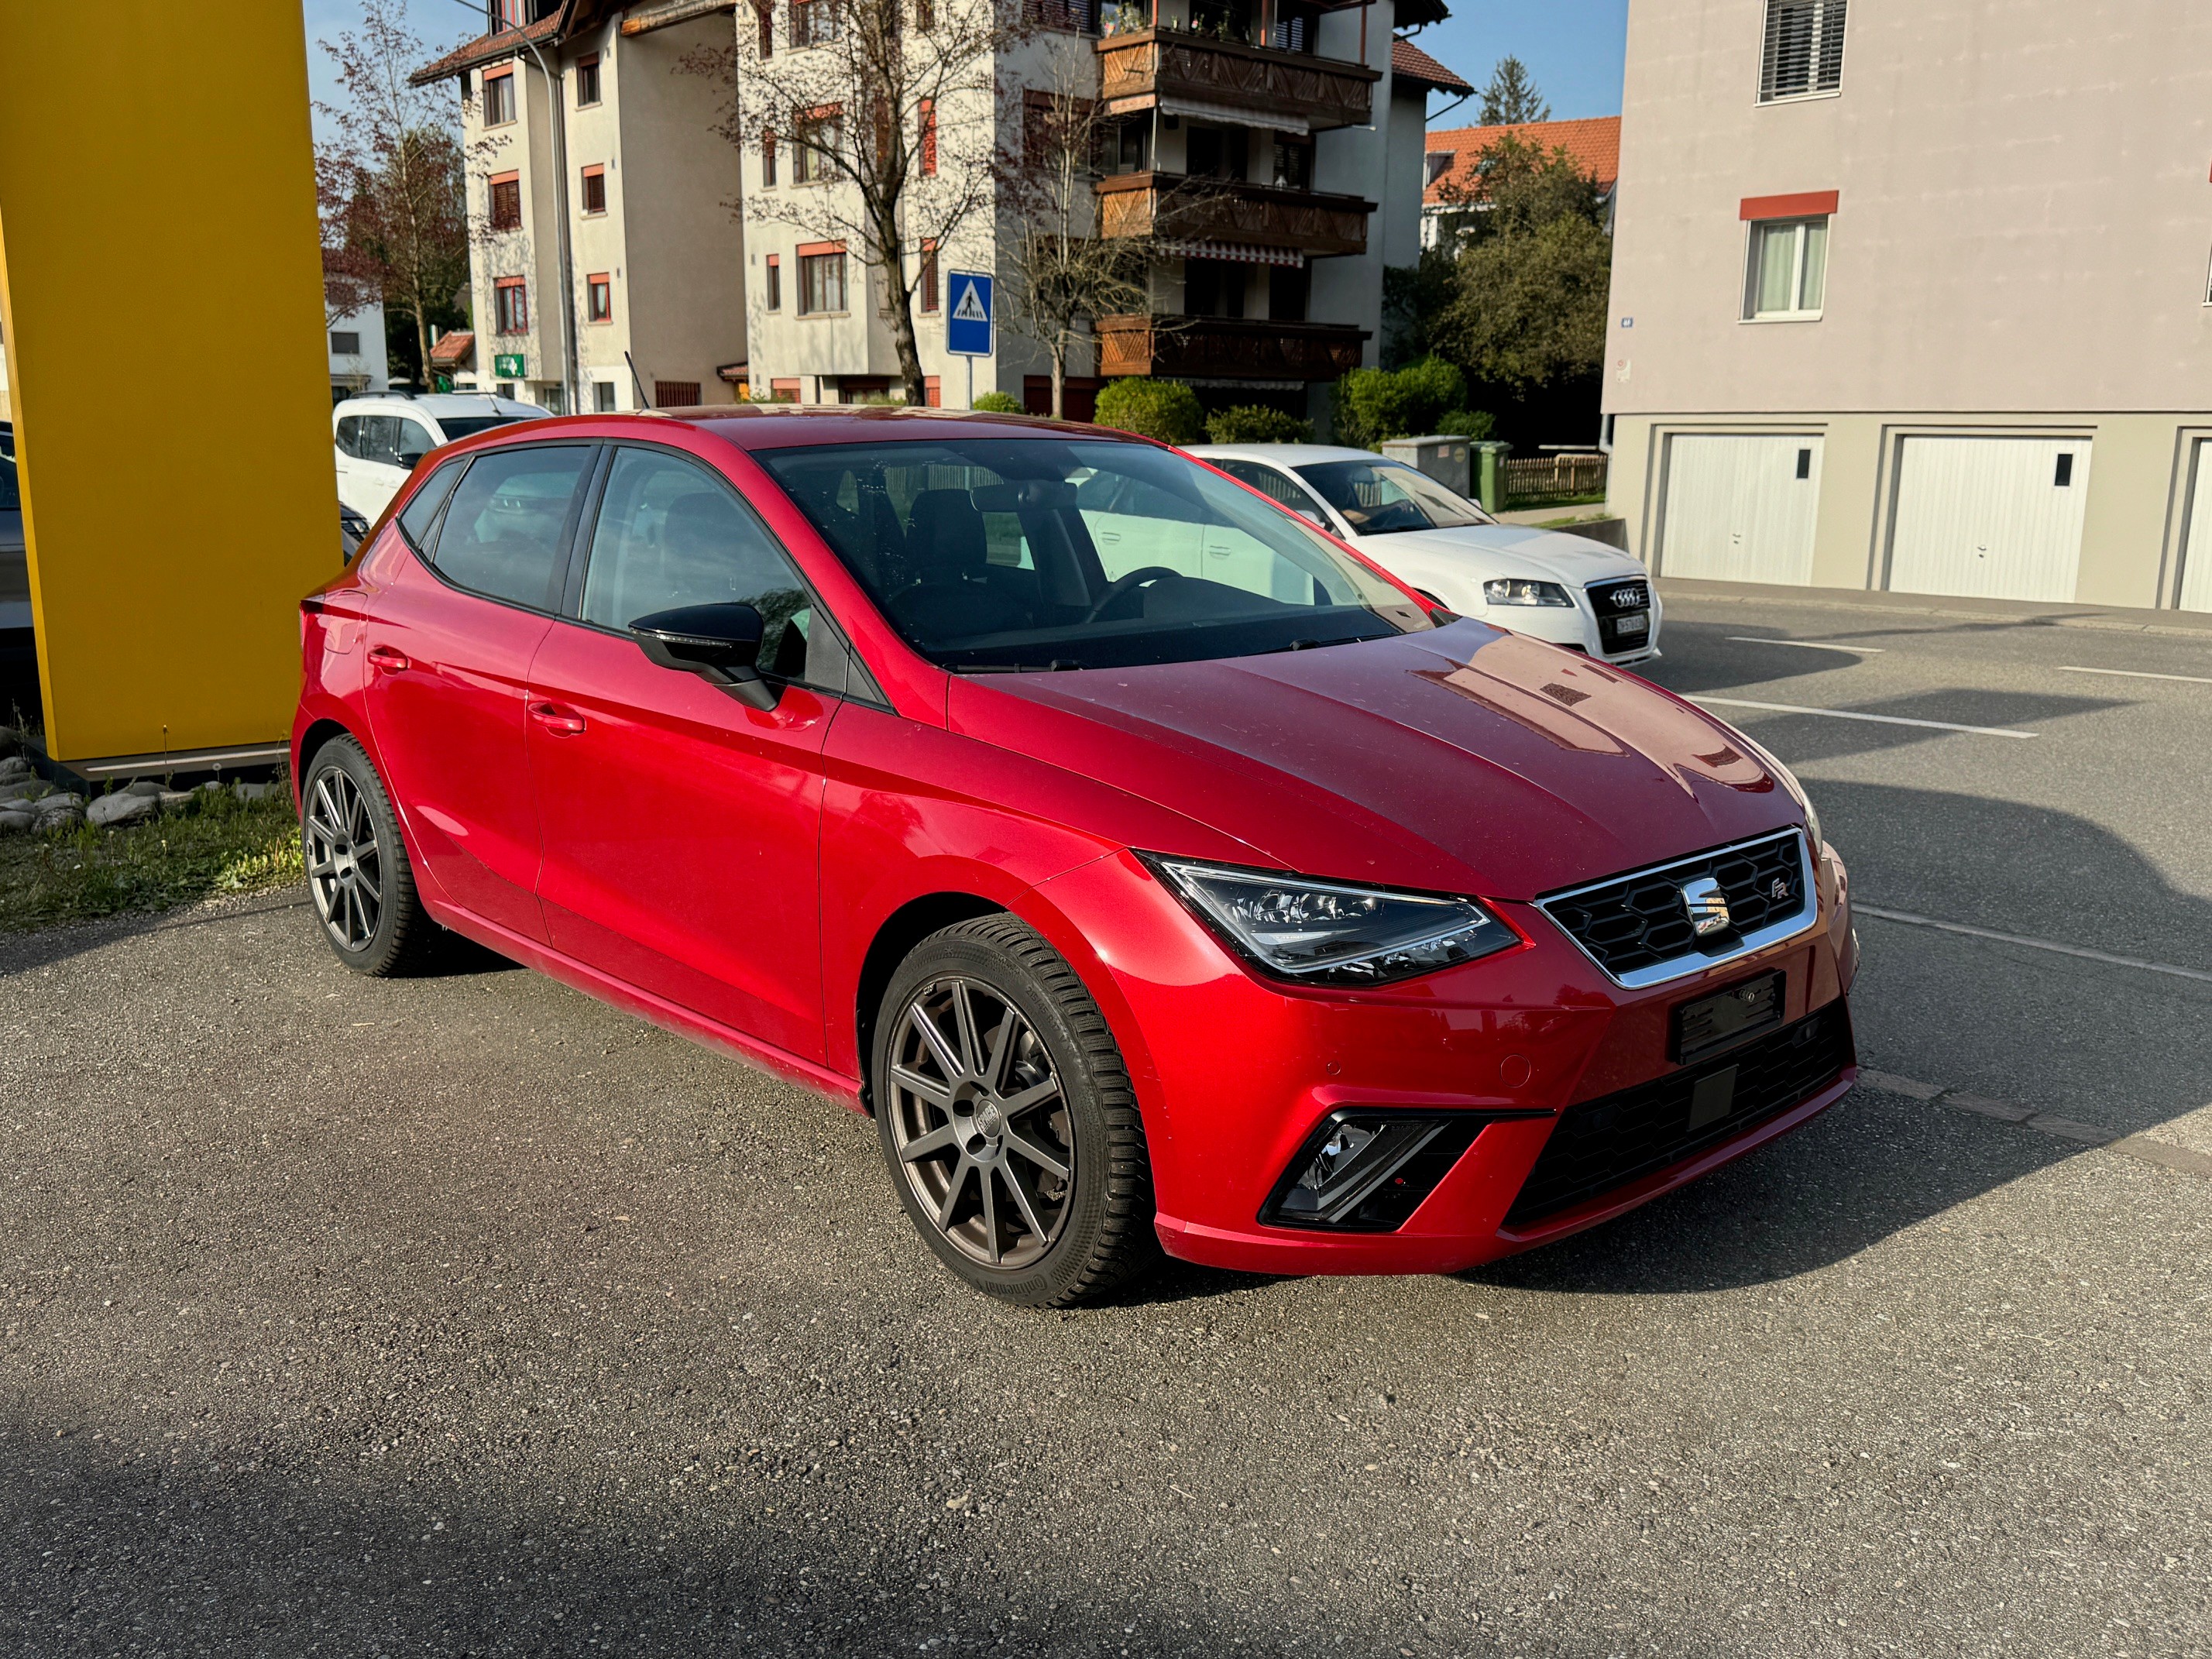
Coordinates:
1573 47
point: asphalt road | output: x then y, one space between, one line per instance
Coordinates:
463 1315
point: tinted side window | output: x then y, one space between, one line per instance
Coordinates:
1274 485
416 517
502 534
670 534
350 435
415 442
379 440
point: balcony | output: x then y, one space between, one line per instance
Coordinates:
1227 348
1170 204
1191 73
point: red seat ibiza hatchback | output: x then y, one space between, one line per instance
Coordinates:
1156 872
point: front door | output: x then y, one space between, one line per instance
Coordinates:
682 826
449 655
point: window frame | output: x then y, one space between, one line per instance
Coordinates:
812 162
505 98
564 557
499 186
1756 233
589 64
598 297
774 283
929 279
501 287
807 264
596 174
1770 16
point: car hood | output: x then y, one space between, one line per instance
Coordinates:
1464 759
1511 549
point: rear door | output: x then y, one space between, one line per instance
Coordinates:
682 826
449 644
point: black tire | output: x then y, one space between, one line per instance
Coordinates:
980 1189
358 874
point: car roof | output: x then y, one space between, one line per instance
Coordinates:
790 426
1283 454
437 404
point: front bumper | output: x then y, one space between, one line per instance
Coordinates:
1576 627
1235 1074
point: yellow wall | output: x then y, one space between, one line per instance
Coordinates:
162 288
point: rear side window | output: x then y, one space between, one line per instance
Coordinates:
503 532
1272 484
669 534
416 518
349 435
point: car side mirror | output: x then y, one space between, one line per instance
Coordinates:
410 459
721 643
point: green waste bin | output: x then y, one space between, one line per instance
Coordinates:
1489 469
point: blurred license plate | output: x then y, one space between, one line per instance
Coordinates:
1631 625
1714 1022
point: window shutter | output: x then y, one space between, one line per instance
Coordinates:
1804 49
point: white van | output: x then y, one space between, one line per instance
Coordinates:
380 438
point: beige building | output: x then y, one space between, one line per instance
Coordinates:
1916 295
655 291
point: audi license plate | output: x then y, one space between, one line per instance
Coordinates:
1716 1022
1639 625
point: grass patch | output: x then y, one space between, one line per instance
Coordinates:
222 845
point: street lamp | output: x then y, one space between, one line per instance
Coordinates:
557 98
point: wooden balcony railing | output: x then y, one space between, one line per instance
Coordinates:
1222 210
1225 348
1233 78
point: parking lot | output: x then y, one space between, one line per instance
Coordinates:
465 1315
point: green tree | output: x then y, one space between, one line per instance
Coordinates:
1511 97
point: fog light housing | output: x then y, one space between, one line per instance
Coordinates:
1366 1169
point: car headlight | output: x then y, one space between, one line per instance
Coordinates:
1325 932
1521 589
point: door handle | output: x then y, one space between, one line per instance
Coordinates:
386 659
561 722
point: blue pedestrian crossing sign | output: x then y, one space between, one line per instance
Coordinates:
967 322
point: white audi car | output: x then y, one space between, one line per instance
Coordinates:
1567 589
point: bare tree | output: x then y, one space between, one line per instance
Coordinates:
389 178
1059 274
879 113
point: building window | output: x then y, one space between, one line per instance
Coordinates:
929 276
929 135
587 81
1803 55
1213 288
499 98
675 394
764 13
595 190
505 201
598 298
925 16
510 306
813 23
820 137
768 157
603 397
775 282
345 342
821 282
1076 16
1789 274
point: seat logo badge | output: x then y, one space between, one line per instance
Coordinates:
1708 907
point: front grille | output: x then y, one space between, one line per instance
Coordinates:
1636 922
1606 1144
1615 603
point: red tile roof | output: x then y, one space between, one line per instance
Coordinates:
454 351
557 24
1593 144
1409 62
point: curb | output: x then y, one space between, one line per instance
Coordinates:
2142 1148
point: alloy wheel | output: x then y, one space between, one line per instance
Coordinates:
980 1123
345 860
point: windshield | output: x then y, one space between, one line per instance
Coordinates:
1013 554
1378 498
456 427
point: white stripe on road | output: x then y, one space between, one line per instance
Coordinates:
1911 921
1810 645
2138 674
1853 715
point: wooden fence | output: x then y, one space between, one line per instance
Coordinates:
1553 477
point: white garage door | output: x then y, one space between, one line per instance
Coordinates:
1989 518
2196 556
1740 507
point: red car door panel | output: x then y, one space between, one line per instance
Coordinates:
447 671
682 827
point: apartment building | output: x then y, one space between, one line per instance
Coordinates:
621 131
358 363
1452 183
1916 295
1272 150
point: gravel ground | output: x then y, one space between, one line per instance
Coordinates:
465 1315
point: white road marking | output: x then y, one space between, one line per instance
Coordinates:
1911 921
1811 645
2138 674
1853 715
